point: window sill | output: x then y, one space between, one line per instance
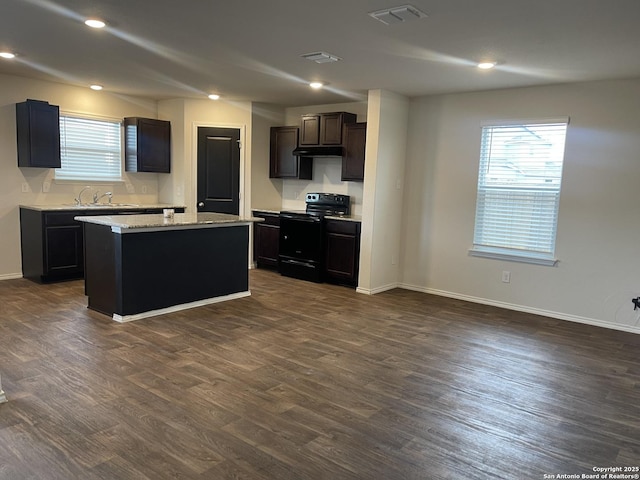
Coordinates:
513 256
95 181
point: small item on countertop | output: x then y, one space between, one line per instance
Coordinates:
168 212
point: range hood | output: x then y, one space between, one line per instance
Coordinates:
335 151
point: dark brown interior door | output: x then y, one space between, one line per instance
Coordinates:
218 170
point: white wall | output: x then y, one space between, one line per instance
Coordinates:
385 156
70 99
599 219
171 186
327 171
265 192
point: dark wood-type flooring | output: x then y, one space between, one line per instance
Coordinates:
306 381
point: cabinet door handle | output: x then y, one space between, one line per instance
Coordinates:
200 204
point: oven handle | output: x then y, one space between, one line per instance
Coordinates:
298 262
299 218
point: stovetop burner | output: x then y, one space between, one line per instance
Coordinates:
323 204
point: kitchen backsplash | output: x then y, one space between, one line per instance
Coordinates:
326 178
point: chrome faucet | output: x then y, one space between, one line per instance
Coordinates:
79 199
97 198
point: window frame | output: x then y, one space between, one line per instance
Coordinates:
515 253
87 176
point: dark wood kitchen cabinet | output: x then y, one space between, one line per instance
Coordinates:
324 128
310 130
266 239
51 245
38 134
282 162
342 252
147 145
52 241
355 137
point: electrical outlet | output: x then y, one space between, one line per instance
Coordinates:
130 188
144 189
506 276
25 187
46 186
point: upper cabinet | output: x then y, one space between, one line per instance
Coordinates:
147 145
310 130
38 134
355 137
324 128
323 134
282 162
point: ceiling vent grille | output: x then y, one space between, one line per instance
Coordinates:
400 14
321 57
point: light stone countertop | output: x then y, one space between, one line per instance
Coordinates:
267 210
123 223
346 218
99 206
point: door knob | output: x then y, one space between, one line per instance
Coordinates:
200 204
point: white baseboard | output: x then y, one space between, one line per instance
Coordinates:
177 308
373 291
10 276
522 308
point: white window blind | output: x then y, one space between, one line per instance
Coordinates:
90 149
519 191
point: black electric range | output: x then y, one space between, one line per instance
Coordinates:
302 235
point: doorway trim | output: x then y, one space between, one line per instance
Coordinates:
194 161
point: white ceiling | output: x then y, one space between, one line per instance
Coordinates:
250 49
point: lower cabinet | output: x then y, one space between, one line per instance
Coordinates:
266 240
52 242
63 252
342 260
341 241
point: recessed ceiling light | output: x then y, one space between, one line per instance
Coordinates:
316 85
214 96
7 55
486 65
96 87
94 23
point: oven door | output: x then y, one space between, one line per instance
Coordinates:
301 246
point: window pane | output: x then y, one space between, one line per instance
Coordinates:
519 188
90 149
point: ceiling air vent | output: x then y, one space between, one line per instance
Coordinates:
321 57
400 14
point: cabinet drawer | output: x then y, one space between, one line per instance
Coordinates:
343 226
269 218
61 218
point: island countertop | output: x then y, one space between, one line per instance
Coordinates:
154 222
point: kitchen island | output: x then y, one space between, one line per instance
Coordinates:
137 266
